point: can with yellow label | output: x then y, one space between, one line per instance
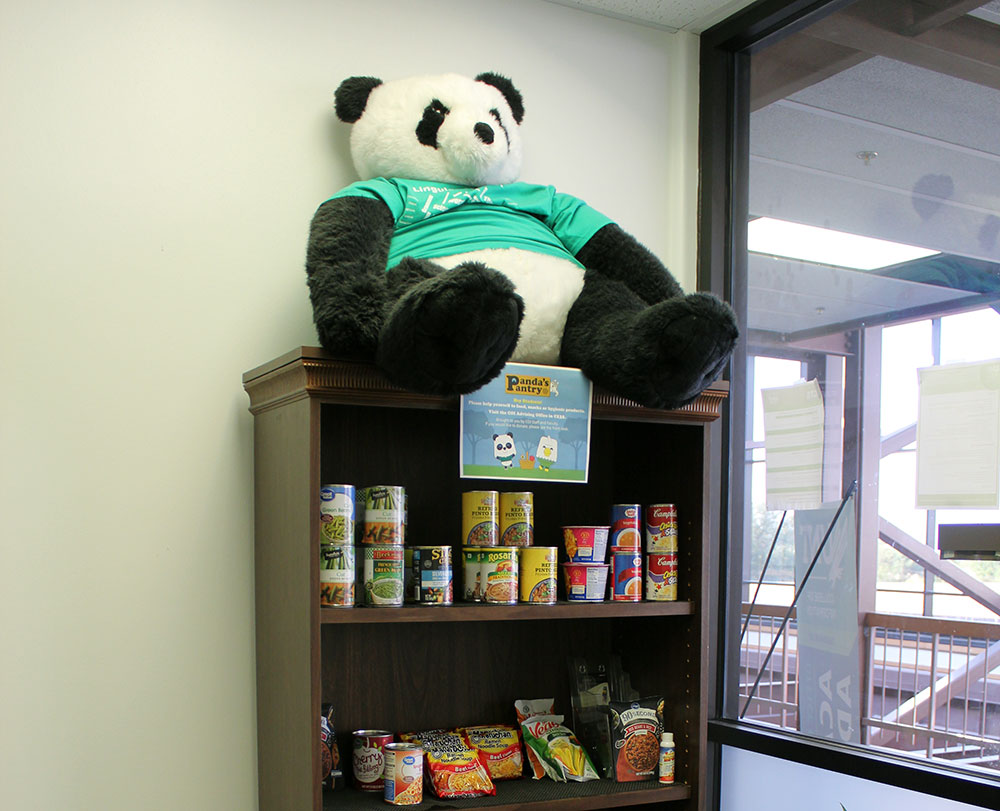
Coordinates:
537 574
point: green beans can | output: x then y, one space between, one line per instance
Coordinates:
382 574
336 576
384 514
336 514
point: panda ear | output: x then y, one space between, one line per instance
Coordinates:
511 93
352 96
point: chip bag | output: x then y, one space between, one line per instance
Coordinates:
525 709
559 752
499 749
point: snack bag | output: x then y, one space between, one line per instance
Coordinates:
453 767
635 731
499 749
525 709
559 752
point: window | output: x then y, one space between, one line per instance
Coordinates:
872 126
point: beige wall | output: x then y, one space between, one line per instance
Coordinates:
160 163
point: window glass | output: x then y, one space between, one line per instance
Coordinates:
874 256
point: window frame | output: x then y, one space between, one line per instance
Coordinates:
723 207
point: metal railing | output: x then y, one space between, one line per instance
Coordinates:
931 688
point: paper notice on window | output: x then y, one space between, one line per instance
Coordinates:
793 446
958 436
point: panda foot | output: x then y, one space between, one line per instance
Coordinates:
451 333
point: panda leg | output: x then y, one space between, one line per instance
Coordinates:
661 355
449 331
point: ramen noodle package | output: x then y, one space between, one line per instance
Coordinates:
499 749
559 752
525 709
452 768
635 733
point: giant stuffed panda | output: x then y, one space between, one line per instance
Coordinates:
440 267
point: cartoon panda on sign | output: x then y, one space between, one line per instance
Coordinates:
440 267
504 450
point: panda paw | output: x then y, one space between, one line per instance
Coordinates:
451 333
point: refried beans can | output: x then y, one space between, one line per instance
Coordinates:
626 573
537 574
432 575
403 774
626 526
369 758
382 575
480 518
661 528
517 523
499 575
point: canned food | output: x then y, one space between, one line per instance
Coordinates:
382 575
403 773
432 577
480 518
661 576
336 575
661 528
626 573
537 574
336 514
517 522
409 596
626 525
472 573
499 575
369 758
384 515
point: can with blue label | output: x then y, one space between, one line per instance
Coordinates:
626 573
336 514
432 575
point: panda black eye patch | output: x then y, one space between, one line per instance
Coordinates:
429 125
496 114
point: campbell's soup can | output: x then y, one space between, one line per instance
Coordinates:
432 575
472 573
626 526
499 575
383 514
517 522
336 576
661 576
661 528
480 518
626 573
382 575
369 758
536 574
403 774
336 514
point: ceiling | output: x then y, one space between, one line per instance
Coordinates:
694 16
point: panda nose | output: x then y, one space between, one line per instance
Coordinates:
484 132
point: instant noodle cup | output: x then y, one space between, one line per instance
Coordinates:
585 544
585 582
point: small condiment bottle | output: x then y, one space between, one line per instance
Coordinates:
667 758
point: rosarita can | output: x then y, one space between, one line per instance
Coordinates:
472 573
626 573
384 518
432 575
369 758
480 518
537 581
382 575
403 773
499 575
626 526
661 528
336 514
336 576
517 521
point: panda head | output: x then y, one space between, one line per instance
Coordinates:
447 128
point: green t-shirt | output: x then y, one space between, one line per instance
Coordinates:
514 215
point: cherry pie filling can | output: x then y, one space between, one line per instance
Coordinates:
369 758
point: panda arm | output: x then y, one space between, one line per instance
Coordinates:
617 255
345 265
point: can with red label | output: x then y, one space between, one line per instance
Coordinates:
369 758
626 526
626 573
403 774
661 528
661 576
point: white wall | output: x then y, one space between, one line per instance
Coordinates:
159 164
749 782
